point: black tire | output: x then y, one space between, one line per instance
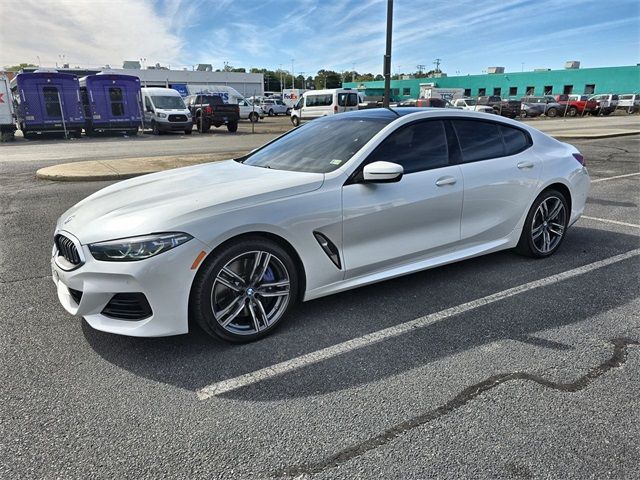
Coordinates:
188 131
572 112
523 114
200 301
552 112
154 128
295 121
606 112
232 127
77 133
132 132
526 245
254 117
288 112
271 112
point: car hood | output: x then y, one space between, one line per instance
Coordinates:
175 199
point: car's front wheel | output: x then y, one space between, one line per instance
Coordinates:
242 292
545 225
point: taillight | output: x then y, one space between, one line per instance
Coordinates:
335 108
208 110
580 159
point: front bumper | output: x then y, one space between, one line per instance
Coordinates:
165 281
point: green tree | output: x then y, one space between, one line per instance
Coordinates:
17 68
327 79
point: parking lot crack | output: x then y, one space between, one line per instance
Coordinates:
617 359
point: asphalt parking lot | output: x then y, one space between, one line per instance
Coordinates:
538 382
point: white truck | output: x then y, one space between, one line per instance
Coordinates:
472 104
7 116
427 90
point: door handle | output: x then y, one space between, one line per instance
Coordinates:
441 182
522 165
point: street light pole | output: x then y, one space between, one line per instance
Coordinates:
387 56
293 77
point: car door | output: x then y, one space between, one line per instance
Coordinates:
389 224
500 174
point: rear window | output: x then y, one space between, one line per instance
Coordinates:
212 100
515 141
479 140
52 102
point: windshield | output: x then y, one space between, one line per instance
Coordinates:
319 146
470 102
168 102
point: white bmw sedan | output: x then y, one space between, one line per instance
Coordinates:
338 203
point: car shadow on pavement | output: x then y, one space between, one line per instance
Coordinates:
195 360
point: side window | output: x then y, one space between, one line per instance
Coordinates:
147 104
419 146
515 141
353 100
479 140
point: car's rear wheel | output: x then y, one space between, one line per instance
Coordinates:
572 112
253 117
545 226
245 290
232 127
552 112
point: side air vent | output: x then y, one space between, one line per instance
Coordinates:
329 248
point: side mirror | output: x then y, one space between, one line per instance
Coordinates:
382 172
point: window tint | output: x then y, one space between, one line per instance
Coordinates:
515 140
319 100
52 101
347 100
420 146
117 102
479 140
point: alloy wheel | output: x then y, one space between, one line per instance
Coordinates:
250 293
549 224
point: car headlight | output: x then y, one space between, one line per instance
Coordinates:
188 114
162 115
137 248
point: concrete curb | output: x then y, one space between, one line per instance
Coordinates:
121 169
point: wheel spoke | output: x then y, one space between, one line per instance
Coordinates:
262 268
555 211
556 229
261 311
230 279
546 242
254 317
274 289
536 232
234 313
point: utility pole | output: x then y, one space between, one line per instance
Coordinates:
353 72
420 69
293 77
437 62
387 56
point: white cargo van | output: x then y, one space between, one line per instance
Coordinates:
165 111
320 103
7 117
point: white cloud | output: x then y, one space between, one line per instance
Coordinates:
86 32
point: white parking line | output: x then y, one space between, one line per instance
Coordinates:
598 180
391 332
615 222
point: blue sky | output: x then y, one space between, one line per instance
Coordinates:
334 34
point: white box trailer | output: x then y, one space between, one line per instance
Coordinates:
427 90
7 116
290 96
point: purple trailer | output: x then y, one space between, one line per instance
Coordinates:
48 101
112 103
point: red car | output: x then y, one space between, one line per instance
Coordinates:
576 104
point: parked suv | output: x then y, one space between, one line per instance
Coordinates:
506 108
550 106
630 102
274 107
210 109
576 104
605 103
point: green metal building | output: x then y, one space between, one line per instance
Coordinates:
517 84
